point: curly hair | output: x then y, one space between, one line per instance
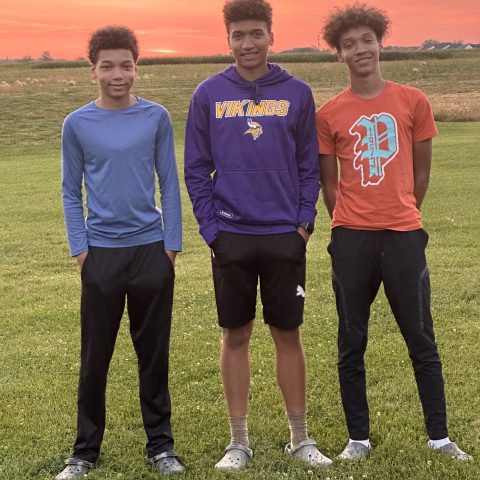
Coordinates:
238 10
340 20
112 37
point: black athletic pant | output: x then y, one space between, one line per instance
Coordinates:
144 276
361 260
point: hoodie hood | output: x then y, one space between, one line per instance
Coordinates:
274 75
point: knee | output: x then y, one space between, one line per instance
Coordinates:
286 339
236 338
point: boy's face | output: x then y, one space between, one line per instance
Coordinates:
115 72
249 41
360 51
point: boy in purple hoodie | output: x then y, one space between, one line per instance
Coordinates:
251 169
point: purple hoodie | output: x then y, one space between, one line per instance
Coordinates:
258 139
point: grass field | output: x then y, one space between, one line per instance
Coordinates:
40 284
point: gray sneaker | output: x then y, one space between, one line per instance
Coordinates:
355 451
75 468
167 463
453 450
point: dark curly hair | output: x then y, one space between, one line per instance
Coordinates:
340 20
112 37
238 10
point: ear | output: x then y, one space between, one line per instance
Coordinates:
92 72
272 39
380 44
339 57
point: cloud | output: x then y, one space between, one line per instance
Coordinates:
39 25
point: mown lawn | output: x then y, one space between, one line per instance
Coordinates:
39 325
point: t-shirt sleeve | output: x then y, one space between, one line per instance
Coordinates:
423 122
326 142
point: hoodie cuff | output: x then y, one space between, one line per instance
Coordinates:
306 215
209 233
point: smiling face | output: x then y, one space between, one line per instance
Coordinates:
249 41
115 72
360 51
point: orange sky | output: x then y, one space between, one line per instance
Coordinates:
195 27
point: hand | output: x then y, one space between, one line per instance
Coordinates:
171 255
304 234
81 259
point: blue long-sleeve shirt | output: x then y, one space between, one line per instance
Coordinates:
117 153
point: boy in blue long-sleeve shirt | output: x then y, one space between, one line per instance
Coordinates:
126 247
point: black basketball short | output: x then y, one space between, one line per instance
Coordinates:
278 260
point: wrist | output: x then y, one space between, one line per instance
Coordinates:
309 227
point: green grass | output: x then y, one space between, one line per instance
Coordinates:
39 321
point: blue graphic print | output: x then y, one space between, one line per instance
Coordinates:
376 146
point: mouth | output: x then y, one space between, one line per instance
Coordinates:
249 54
363 61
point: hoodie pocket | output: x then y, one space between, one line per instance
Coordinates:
256 197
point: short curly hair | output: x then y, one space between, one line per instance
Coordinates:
340 20
238 10
112 37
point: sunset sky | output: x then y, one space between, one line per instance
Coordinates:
195 27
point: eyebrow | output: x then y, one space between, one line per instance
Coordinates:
363 35
255 30
110 62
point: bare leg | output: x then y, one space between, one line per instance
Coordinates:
290 369
236 368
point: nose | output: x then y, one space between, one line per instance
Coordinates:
117 72
247 42
360 47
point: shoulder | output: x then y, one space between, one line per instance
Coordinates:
413 94
334 104
148 105
210 83
79 116
151 110
87 110
301 85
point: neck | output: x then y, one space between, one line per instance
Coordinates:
367 87
115 103
252 74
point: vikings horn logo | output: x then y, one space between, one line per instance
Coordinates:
255 129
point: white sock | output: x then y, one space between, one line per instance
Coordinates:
438 443
363 442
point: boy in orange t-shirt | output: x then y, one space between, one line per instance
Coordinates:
375 142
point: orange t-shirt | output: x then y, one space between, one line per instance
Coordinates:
373 141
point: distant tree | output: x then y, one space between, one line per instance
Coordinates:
45 56
431 42
26 58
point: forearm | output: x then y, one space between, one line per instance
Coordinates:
422 162
329 194
420 189
329 175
